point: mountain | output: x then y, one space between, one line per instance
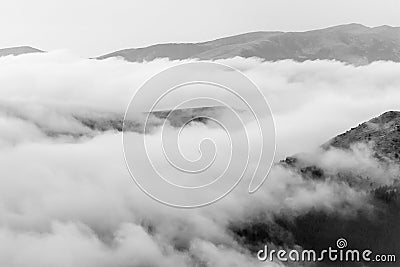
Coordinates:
18 51
91 124
382 132
176 118
382 136
351 43
372 226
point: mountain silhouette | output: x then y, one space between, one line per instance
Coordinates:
18 51
351 43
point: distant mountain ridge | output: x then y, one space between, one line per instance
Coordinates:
351 43
19 50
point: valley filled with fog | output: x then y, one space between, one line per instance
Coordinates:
66 193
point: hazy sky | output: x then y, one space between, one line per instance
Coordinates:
95 27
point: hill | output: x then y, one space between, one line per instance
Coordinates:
351 43
382 132
18 51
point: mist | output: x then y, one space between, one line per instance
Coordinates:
66 194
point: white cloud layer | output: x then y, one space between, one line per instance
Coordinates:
67 201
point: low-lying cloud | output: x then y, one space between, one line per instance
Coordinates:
67 199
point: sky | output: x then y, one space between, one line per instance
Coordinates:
95 27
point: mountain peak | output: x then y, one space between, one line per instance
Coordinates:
382 132
353 27
387 117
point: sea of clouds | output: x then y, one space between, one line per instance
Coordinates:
67 199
